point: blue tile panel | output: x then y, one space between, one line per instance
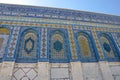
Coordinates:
46 41
57 13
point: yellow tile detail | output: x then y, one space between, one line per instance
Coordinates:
46 25
41 24
74 56
73 46
4 31
73 51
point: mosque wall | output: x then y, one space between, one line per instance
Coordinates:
37 46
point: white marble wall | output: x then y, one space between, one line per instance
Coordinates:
76 71
60 71
91 71
115 70
25 71
6 70
43 71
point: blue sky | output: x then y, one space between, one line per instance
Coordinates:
100 6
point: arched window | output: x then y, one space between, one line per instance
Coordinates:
106 45
27 47
85 48
58 48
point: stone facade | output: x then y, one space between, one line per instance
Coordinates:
42 43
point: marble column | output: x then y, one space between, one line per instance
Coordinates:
76 70
105 70
43 71
6 70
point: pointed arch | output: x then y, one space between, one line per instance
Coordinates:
85 47
27 51
108 47
58 47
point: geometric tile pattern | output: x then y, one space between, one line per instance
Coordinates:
43 51
72 44
58 46
107 48
13 42
116 38
97 43
84 46
95 25
55 17
25 73
28 48
14 10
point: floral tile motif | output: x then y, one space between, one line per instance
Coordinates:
72 44
43 51
97 43
13 42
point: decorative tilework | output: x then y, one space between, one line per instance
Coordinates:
28 44
45 12
3 44
58 45
107 47
72 44
116 37
84 46
27 48
13 42
4 31
35 17
54 23
97 43
43 51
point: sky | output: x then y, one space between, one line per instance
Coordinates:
100 6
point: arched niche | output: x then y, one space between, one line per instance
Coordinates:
108 46
85 48
59 47
27 49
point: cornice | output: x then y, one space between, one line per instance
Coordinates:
57 13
